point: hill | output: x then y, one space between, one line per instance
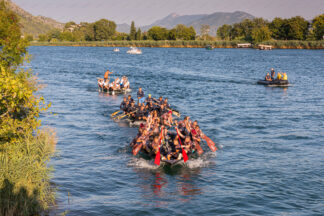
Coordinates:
31 24
214 20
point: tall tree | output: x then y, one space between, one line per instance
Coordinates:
278 28
138 35
260 34
132 33
158 33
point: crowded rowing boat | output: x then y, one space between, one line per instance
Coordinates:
116 86
160 136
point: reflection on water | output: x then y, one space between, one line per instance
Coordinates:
159 187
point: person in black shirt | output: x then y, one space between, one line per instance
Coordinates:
140 95
123 105
130 99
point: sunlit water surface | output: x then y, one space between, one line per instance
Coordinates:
271 158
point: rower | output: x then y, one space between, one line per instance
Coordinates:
140 95
149 99
273 73
285 77
140 114
130 99
267 77
131 109
167 119
187 144
162 110
166 104
106 76
123 105
160 101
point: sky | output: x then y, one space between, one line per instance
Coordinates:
145 12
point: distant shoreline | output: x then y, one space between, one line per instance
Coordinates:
186 44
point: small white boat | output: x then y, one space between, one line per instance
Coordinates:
116 50
134 51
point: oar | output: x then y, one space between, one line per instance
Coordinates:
199 149
115 113
210 143
137 149
184 154
158 154
123 115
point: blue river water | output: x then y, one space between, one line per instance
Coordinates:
271 140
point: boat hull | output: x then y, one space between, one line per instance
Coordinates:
279 83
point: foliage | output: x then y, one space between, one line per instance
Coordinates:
138 35
261 34
183 32
24 149
224 32
104 29
158 33
204 31
297 28
318 26
132 33
29 38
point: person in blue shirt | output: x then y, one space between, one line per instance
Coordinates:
140 95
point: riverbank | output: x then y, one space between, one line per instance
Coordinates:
186 44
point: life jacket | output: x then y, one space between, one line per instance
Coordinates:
279 76
106 75
285 77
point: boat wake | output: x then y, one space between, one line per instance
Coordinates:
193 163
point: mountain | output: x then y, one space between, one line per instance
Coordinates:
218 19
214 20
31 24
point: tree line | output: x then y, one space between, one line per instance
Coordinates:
255 30
258 29
103 30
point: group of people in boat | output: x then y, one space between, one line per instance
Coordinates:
158 130
117 84
271 76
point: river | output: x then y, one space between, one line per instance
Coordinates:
270 159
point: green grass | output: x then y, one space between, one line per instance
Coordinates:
187 44
24 176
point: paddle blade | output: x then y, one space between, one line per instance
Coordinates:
157 158
199 149
184 155
115 113
137 148
210 143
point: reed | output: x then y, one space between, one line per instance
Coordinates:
279 44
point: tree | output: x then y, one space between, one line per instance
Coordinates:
260 34
12 47
318 26
24 148
183 32
138 35
224 32
132 33
204 31
278 28
53 34
42 38
103 29
158 33
29 37
67 36
297 28
68 25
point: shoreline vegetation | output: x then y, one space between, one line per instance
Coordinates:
276 44
25 146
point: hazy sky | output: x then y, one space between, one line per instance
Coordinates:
146 11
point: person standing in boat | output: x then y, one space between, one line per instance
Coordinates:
273 74
106 76
123 105
140 95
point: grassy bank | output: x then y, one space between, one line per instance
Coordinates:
186 44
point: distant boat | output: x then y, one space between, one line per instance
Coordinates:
209 47
116 50
134 51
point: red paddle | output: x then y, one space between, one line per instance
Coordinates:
137 148
199 149
158 154
184 154
210 143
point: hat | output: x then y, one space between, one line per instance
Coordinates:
170 111
149 95
141 125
